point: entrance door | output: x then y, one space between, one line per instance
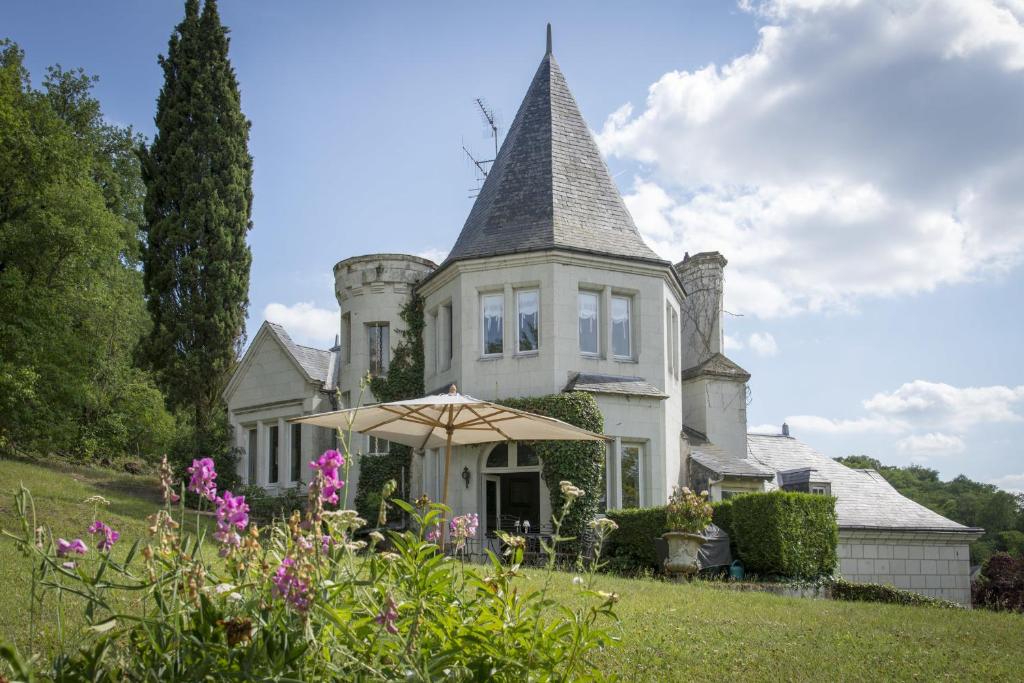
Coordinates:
492 510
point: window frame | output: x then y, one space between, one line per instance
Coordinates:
641 447
629 325
372 440
295 442
519 293
253 448
273 454
484 297
596 353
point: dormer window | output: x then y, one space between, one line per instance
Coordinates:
527 321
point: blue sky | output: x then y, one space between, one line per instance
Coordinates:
859 164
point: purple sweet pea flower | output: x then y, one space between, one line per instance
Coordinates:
388 616
290 586
330 463
232 517
75 547
203 473
108 537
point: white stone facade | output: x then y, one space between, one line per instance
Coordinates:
934 564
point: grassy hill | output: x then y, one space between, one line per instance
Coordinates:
668 631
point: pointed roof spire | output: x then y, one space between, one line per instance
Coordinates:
549 188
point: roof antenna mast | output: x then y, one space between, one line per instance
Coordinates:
482 166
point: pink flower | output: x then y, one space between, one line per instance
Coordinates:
290 586
203 473
388 616
330 463
433 535
65 548
108 537
325 544
232 517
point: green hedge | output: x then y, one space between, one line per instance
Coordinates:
873 592
792 535
630 548
374 472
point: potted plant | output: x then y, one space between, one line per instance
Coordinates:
686 516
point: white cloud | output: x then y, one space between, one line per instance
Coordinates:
763 344
305 323
1010 482
931 444
859 149
862 425
937 404
433 254
765 429
732 343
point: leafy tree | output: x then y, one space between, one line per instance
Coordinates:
71 306
198 176
963 500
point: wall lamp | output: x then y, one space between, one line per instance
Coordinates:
465 476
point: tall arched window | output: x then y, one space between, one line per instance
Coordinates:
498 457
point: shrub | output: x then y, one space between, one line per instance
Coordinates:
1001 584
791 535
631 547
873 592
303 600
264 508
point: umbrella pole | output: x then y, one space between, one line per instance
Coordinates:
444 495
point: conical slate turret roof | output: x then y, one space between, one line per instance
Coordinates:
548 187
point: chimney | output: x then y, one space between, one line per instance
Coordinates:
785 429
702 276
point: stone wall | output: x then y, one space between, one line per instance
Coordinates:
930 563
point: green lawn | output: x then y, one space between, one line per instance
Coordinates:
669 631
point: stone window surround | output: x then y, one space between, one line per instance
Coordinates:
284 451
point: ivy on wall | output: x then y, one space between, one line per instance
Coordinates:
581 462
404 380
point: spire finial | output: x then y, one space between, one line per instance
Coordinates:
549 39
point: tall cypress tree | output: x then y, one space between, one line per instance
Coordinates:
198 175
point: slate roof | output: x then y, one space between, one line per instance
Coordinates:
720 462
716 366
613 384
318 364
864 499
549 188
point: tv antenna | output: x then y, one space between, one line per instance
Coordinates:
483 166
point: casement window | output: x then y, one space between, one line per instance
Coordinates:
589 323
296 453
622 329
820 489
631 473
272 473
377 446
378 337
253 455
492 323
346 400
527 321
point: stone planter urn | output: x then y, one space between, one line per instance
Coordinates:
682 553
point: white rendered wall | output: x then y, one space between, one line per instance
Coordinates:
718 408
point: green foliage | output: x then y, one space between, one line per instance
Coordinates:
287 604
264 508
580 462
969 502
722 518
792 535
1001 584
71 307
377 470
873 592
198 176
631 546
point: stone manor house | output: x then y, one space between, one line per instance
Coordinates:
551 288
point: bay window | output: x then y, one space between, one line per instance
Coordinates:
622 336
589 323
492 314
527 321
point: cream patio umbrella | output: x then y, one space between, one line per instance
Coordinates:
451 419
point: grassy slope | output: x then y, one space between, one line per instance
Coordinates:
669 631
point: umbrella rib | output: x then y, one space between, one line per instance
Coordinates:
397 416
488 423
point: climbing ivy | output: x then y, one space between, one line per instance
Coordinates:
581 462
403 380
